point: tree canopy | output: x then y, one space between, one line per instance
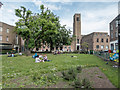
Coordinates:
41 28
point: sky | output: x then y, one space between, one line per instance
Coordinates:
95 14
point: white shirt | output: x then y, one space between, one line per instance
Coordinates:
37 59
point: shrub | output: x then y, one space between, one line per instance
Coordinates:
86 83
69 75
77 84
79 69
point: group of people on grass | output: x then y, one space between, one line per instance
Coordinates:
40 58
13 54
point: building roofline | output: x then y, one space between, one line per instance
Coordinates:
114 18
7 24
95 32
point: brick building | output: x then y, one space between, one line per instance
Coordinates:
114 34
96 41
8 38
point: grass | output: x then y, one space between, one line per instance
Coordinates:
20 71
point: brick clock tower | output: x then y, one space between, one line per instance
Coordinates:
77 31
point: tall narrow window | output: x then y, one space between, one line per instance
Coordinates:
0 29
97 39
77 41
111 35
111 27
78 19
116 23
16 39
102 40
8 30
0 37
116 34
107 40
107 47
7 39
102 47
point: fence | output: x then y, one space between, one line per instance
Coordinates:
103 55
108 56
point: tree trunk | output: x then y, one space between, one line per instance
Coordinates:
27 51
51 46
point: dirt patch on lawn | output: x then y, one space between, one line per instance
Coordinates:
94 74
96 77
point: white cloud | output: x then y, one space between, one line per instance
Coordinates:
98 20
50 6
81 0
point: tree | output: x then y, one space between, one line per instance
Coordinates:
22 26
41 28
52 32
84 46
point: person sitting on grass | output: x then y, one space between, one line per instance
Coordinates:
12 55
37 59
45 58
34 56
40 56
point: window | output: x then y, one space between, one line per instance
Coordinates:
97 46
0 37
111 35
105 35
7 30
116 23
102 40
111 27
116 34
107 47
0 29
16 39
7 39
107 40
116 46
77 41
69 47
78 19
102 47
97 39
96 34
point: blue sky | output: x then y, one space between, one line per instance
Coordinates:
95 15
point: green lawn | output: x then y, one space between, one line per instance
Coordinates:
24 69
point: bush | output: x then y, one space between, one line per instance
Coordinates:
69 75
77 84
84 84
79 69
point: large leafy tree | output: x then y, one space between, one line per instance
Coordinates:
22 26
41 28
